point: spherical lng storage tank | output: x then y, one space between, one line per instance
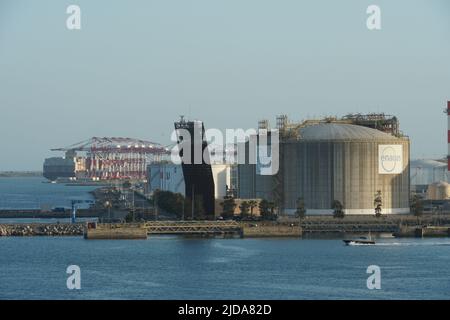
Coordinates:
348 163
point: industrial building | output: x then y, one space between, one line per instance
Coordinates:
196 179
197 173
438 191
425 172
103 159
167 176
347 160
430 177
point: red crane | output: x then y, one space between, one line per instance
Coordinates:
114 157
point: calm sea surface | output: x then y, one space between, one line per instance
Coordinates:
180 268
37 193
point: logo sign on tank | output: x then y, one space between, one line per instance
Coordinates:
390 159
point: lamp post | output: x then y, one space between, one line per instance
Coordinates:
182 214
74 212
155 205
193 201
108 205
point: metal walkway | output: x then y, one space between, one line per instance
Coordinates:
338 227
192 227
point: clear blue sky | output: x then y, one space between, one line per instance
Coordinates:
137 65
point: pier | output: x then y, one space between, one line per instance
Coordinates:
142 230
349 226
423 231
111 231
400 226
193 227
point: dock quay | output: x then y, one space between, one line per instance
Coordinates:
142 230
111 231
349 227
271 229
423 231
93 230
400 226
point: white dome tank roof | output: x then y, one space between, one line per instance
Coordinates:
427 163
339 131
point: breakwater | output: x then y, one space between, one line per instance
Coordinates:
404 226
366 223
423 231
38 214
41 229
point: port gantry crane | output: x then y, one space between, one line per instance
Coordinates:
109 158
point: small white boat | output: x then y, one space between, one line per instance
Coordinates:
359 241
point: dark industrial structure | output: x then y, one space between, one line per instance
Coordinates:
197 171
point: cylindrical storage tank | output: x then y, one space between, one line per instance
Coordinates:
426 172
348 163
438 191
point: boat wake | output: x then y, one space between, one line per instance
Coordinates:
400 244
360 244
413 244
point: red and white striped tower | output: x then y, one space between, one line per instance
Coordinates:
448 134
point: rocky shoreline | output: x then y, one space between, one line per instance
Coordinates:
24 230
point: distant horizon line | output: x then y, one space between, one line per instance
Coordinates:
40 172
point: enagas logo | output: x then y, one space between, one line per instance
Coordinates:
390 159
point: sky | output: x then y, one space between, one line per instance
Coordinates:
136 66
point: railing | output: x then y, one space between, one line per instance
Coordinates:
192 227
350 227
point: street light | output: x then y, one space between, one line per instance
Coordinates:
108 205
155 205
193 201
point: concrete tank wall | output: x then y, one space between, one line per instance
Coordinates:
327 162
438 191
323 171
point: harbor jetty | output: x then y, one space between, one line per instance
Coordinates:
271 229
113 231
41 229
423 232
399 226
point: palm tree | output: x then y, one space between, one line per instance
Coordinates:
244 208
338 209
264 210
272 208
228 205
417 207
252 204
378 202
301 210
